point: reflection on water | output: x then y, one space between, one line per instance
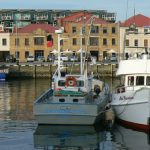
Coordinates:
19 130
16 98
54 137
71 137
131 139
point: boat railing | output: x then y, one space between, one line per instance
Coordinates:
44 96
69 93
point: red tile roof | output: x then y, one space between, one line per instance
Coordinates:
91 19
30 28
76 16
139 20
83 17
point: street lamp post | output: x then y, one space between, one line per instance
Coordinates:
59 32
81 55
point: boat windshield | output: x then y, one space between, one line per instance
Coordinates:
80 83
130 80
148 80
140 80
61 83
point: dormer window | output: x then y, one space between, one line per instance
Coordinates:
74 30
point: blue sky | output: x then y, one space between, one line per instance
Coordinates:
117 6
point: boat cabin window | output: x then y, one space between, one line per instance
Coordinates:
61 83
80 83
140 80
148 80
130 80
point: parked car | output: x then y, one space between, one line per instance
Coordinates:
30 58
73 58
51 58
41 58
64 58
56 62
10 58
113 59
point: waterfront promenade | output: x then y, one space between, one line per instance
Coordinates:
46 69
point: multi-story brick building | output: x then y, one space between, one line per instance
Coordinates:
34 39
98 37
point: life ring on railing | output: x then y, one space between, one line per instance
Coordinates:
70 81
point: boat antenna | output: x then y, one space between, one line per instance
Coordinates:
127 10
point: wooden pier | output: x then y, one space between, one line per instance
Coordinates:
46 70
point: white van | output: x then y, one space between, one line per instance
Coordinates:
30 58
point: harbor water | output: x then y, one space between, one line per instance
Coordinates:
20 131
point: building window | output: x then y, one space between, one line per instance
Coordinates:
83 30
4 42
17 54
26 54
113 30
17 41
83 41
74 30
94 29
39 41
145 43
127 42
94 41
74 41
113 41
61 42
26 42
104 41
145 30
105 30
136 43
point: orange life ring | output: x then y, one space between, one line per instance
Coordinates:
70 81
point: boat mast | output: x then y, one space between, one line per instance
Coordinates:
81 47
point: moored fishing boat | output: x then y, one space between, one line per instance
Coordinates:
76 99
131 100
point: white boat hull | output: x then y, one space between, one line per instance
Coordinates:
133 109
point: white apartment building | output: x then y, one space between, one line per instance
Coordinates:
135 36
